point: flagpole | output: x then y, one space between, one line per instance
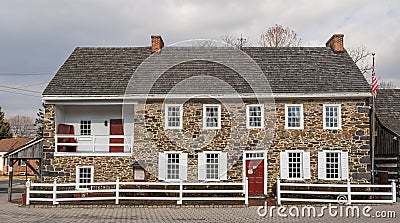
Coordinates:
373 130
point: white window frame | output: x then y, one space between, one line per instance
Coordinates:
343 165
248 116
222 165
77 176
90 129
305 168
287 117
167 106
339 106
205 117
21 163
163 166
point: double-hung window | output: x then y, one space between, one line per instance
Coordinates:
333 165
332 116
212 166
295 165
172 166
84 174
173 116
211 116
86 127
255 116
294 116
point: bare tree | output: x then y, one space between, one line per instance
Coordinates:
22 126
362 57
236 42
385 84
279 36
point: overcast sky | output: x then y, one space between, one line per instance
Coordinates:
37 36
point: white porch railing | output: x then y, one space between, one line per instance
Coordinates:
385 193
106 188
91 143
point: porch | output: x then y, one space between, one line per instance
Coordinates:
93 130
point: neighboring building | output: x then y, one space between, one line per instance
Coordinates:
316 128
387 146
7 145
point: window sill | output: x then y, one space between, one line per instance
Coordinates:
90 154
295 179
331 128
333 179
173 181
294 128
250 127
212 180
172 128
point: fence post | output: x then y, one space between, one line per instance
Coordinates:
246 191
28 191
180 192
278 191
55 191
394 191
117 191
348 192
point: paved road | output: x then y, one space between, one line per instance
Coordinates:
11 213
18 185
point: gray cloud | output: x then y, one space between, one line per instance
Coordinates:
37 36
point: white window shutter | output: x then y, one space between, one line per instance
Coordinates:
321 165
162 166
223 166
345 165
201 164
183 166
284 165
306 166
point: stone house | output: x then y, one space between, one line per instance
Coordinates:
198 113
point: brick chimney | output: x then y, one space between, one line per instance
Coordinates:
336 43
156 43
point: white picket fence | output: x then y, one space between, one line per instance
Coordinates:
378 194
56 189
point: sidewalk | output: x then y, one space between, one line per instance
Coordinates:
15 213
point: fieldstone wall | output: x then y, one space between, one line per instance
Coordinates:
353 137
150 138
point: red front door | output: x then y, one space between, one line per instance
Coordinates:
255 175
116 128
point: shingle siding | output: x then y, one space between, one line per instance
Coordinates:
388 108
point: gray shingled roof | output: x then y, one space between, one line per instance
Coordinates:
388 108
107 71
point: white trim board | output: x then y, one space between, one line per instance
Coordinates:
55 98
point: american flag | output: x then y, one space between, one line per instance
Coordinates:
374 83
